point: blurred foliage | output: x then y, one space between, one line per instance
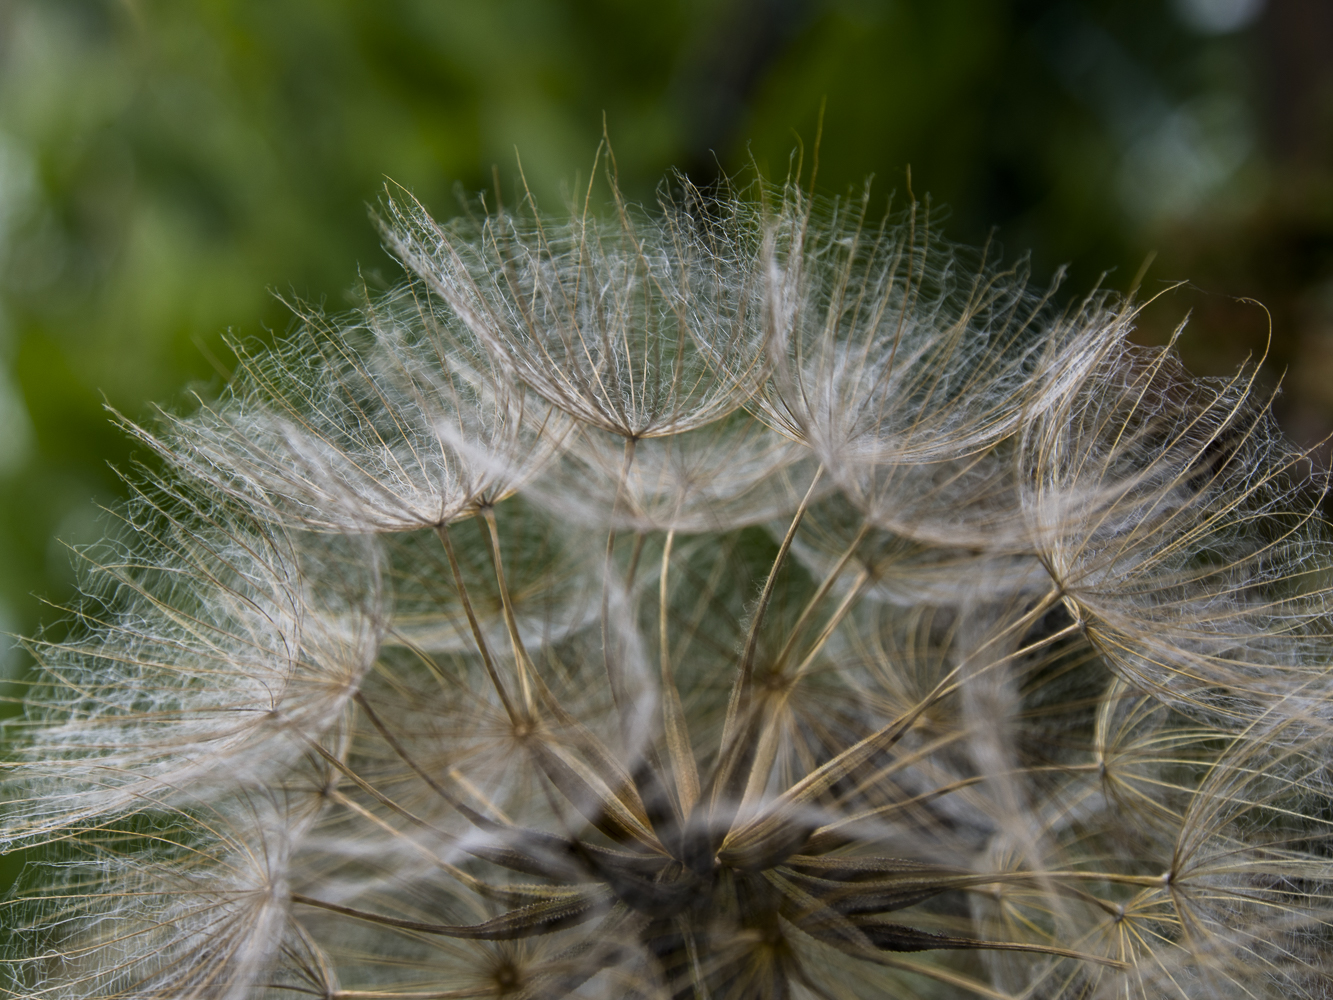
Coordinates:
165 165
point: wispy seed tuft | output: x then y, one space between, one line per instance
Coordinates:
748 599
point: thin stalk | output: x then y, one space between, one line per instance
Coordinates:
470 814
478 637
401 751
521 660
527 921
830 578
683 765
471 881
620 811
648 775
740 690
613 674
639 538
463 808
732 754
834 621
950 682
767 751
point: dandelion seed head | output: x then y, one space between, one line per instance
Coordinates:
748 599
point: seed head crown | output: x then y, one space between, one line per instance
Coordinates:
747 600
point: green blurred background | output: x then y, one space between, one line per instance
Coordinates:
166 165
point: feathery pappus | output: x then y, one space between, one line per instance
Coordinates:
752 598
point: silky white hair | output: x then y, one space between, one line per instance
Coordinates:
748 599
